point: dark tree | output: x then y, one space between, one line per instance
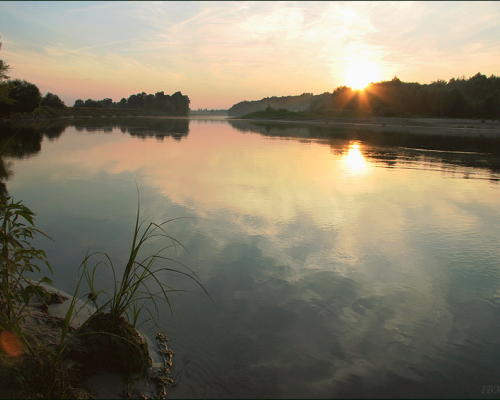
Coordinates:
181 103
52 100
177 104
491 106
4 87
26 95
106 103
476 97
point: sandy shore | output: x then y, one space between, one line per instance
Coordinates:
430 126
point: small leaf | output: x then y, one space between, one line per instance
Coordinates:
46 280
26 297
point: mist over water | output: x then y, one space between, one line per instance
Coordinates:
338 265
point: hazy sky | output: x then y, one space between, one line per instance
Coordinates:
220 53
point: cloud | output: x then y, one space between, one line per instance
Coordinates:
251 50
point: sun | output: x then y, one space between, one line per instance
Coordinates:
360 73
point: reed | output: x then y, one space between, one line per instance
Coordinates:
140 287
135 297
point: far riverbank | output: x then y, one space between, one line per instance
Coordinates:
431 126
50 113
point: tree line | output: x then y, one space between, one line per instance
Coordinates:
175 104
291 103
20 96
475 97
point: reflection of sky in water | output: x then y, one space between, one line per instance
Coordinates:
330 274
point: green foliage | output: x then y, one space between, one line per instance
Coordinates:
18 258
26 97
110 335
4 68
141 282
4 88
5 100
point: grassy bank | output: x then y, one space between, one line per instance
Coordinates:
276 114
350 120
83 112
273 113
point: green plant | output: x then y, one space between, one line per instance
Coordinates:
140 284
111 330
109 333
18 258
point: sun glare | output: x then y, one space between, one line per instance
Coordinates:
360 73
355 158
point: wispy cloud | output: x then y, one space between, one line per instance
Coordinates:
250 49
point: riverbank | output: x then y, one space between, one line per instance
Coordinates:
430 126
48 113
43 325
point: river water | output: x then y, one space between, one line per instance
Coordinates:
339 263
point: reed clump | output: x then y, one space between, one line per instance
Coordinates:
108 337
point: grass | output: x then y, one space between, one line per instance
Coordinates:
273 113
109 336
140 284
44 112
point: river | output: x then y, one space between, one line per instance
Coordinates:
339 263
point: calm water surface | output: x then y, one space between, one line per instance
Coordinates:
337 267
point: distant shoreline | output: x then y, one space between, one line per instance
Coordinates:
72 113
431 126
414 125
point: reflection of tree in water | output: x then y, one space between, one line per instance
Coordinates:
158 128
51 131
19 144
23 141
278 129
175 128
467 151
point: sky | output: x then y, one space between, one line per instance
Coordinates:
221 53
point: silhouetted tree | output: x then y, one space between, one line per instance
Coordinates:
52 100
491 106
5 100
291 103
476 97
177 104
26 95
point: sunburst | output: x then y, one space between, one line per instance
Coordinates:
360 73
